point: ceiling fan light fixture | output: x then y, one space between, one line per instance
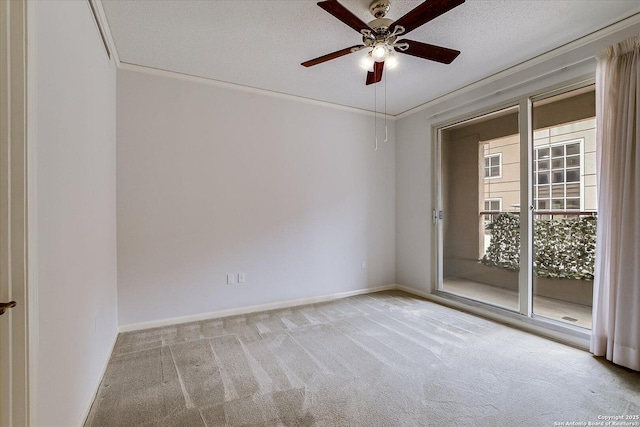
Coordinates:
391 61
366 62
380 52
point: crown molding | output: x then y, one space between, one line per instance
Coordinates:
247 89
552 58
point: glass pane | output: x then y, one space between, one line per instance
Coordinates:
564 244
573 190
557 204
573 204
573 149
557 163
543 177
543 191
558 176
480 253
543 165
573 175
573 161
558 191
543 153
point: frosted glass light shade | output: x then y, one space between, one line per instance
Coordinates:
391 62
379 52
367 62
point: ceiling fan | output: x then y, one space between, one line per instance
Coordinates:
381 34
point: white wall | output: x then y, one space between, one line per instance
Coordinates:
214 180
76 232
416 169
413 202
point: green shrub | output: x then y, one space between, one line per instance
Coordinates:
504 248
563 249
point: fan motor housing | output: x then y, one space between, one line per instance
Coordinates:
379 23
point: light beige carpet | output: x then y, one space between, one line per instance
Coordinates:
384 359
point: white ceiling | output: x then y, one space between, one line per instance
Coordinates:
261 43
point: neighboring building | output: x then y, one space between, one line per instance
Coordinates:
564 171
564 168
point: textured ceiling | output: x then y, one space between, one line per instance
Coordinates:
261 43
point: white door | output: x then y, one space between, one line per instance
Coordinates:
13 220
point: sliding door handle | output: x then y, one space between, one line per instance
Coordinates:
5 305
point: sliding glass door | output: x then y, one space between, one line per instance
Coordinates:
516 209
565 205
480 163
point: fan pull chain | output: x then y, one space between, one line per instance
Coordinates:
385 107
375 114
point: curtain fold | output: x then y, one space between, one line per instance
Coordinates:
616 305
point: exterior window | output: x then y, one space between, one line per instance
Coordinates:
557 171
493 166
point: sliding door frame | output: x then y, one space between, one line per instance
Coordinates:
524 315
525 276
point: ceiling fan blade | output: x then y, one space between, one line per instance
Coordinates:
376 75
424 13
343 14
430 52
329 56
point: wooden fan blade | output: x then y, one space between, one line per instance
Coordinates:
329 56
376 75
430 52
424 13
343 14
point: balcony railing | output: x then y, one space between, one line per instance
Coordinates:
490 216
550 213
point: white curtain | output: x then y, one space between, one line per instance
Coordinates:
616 308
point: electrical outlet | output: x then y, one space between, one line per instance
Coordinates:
364 265
231 279
240 277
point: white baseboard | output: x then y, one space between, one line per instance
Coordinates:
249 309
87 410
413 291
